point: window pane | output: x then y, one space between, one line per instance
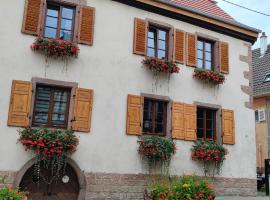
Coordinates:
150 34
209 124
51 22
41 118
65 35
210 114
200 54
162 35
151 43
162 45
50 32
161 54
210 134
199 133
200 63
199 113
256 115
67 13
58 119
147 116
150 52
208 65
208 56
60 95
52 12
66 24
208 47
200 45
200 123
160 106
159 128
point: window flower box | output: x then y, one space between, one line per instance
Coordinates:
160 66
210 153
55 48
209 76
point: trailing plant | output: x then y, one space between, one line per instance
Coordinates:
55 48
160 66
183 188
209 76
9 193
156 150
51 148
211 154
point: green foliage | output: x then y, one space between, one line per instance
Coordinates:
8 193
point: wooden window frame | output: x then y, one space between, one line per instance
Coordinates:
203 40
59 18
51 104
54 83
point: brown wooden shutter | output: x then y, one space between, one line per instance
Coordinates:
134 115
33 10
179 46
228 132
86 25
178 121
190 122
140 36
20 103
191 42
224 57
83 104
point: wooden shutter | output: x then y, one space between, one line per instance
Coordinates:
83 104
33 10
179 46
140 36
178 121
20 103
86 25
191 49
190 122
224 57
228 132
134 115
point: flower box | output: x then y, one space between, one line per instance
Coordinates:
55 48
209 76
160 66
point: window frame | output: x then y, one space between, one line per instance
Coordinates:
54 83
204 41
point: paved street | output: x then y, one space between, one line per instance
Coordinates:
242 198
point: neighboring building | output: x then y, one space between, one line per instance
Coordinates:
114 37
261 89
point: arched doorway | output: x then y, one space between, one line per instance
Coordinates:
73 189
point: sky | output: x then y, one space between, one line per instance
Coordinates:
249 18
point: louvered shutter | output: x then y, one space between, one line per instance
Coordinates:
20 103
191 49
83 104
33 11
140 36
224 57
228 132
179 46
86 25
134 115
190 122
178 121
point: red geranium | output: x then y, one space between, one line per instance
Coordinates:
209 75
161 66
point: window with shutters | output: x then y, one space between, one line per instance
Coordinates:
206 123
157 42
59 22
205 54
51 107
155 117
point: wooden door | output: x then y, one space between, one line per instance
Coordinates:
57 190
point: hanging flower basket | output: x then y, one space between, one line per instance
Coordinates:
51 148
160 66
210 153
55 48
209 76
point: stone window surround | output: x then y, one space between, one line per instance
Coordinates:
50 82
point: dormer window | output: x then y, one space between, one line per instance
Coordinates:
267 78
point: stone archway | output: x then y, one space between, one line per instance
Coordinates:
75 190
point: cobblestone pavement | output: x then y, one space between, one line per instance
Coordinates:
242 198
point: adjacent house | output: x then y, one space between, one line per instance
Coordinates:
111 100
261 89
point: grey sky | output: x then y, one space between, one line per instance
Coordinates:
247 17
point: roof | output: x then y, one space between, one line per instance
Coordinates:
207 6
261 67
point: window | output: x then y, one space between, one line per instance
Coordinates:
206 123
267 78
260 115
51 107
59 22
154 117
157 43
205 54
256 115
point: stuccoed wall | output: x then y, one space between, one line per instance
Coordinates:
110 68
